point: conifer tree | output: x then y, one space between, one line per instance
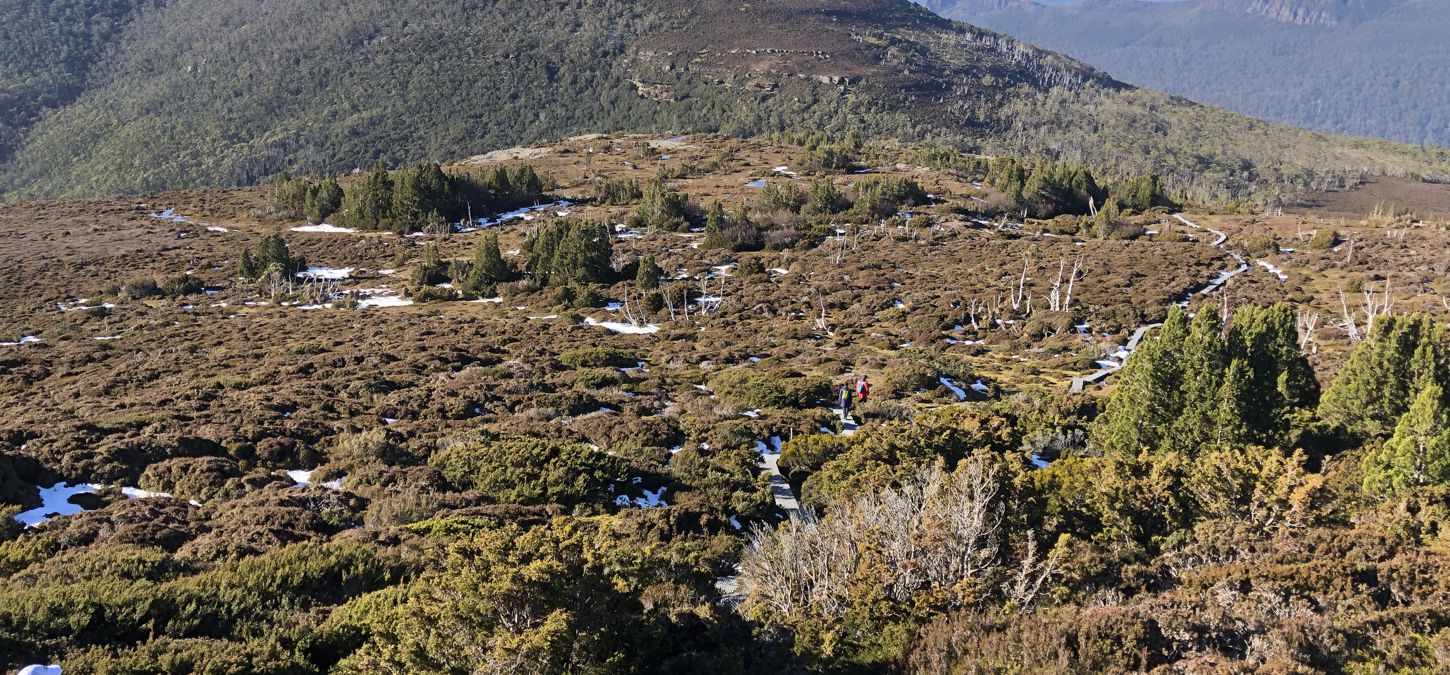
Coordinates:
1139 411
270 255
272 250
564 253
1418 454
1204 362
1188 387
1401 356
324 199
715 226
544 248
1085 188
1266 340
431 269
525 182
1038 190
247 266
741 218
648 276
407 205
1231 419
370 204
586 253
488 264
1106 222
825 197
500 189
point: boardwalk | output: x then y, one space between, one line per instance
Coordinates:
1115 362
785 500
780 489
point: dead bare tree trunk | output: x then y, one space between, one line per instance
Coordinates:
1349 324
1054 297
1308 325
1377 304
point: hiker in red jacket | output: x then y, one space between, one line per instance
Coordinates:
863 389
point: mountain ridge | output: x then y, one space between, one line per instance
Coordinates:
1307 12
226 94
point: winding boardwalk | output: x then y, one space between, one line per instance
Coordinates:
780 489
785 500
1115 363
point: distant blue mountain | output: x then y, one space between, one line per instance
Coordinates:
1362 67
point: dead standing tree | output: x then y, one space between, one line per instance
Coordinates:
317 291
710 304
1308 324
1375 304
1055 299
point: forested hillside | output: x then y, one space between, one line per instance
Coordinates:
47 50
234 93
1363 68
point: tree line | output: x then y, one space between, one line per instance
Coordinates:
418 198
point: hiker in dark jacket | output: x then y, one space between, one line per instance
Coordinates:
845 399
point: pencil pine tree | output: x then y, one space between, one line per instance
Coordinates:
648 276
1400 357
1418 454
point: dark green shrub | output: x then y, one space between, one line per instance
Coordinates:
804 455
524 470
598 378
767 390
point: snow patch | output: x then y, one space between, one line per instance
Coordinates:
326 273
55 502
80 304
629 329
650 500
303 478
1274 270
325 229
384 301
520 214
138 493
168 215
40 670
